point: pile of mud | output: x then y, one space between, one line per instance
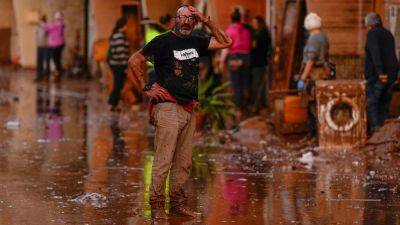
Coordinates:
256 144
386 139
252 134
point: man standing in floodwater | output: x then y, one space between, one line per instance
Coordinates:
175 56
381 68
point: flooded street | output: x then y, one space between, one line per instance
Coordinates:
65 159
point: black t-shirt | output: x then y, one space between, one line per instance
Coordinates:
259 54
176 62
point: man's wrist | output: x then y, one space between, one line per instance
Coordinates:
147 87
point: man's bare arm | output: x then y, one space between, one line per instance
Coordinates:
135 66
136 74
307 70
220 40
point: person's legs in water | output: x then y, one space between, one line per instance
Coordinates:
57 58
374 93
385 101
239 81
244 80
119 80
166 119
182 163
52 56
234 75
40 59
246 83
258 88
312 120
47 69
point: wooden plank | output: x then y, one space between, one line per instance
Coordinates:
287 45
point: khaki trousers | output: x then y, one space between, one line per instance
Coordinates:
174 131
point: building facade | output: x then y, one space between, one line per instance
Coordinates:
90 20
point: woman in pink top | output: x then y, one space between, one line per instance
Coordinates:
55 40
237 58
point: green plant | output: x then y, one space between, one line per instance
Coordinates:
215 104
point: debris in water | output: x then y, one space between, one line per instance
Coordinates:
42 140
308 159
12 124
94 199
356 163
372 173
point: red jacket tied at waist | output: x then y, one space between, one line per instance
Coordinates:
169 98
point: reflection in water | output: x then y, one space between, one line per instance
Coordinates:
66 147
48 105
118 142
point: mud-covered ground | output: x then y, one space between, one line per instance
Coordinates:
65 159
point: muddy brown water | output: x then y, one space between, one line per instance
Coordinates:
64 159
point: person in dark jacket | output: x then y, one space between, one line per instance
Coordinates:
381 69
261 46
118 60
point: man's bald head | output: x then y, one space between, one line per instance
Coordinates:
182 10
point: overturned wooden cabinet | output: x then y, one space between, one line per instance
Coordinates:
341 114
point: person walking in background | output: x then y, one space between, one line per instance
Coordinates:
315 58
381 70
56 41
260 80
42 57
118 60
237 58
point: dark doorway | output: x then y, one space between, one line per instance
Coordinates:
5 40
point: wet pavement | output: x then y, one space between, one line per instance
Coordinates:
64 159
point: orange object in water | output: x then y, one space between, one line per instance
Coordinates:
294 110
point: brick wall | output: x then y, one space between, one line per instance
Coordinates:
343 22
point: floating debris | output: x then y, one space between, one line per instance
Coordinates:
308 159
94 199
12 124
